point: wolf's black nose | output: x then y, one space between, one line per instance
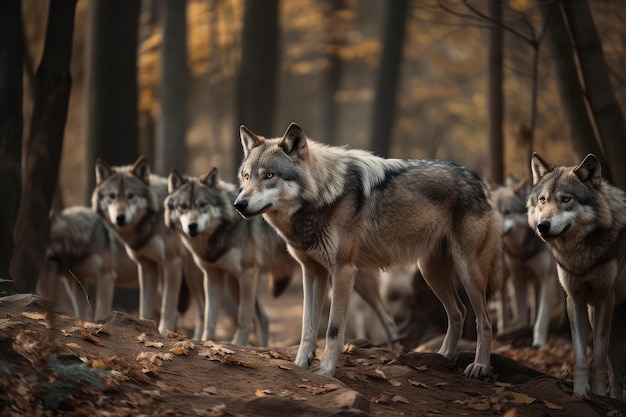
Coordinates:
193 229
120 219
543 227
241 205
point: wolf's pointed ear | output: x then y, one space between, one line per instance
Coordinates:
174 181
589 171
103 170
539 167
249 140
141 169
211 178
293 142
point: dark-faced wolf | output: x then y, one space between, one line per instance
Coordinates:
130 200
582 219
340 210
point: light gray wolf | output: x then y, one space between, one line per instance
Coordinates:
340 210
130 199
582 219
527 263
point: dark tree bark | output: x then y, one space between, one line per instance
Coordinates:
112 92
172 128
11 124
388 76
333 75
44 145
603 103
577 121
256 99
495 95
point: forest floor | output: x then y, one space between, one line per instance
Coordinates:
53 364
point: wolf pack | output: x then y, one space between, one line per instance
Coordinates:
339 219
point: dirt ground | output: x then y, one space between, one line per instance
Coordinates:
53 364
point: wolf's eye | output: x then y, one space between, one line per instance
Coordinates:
269 175
183 206
202 204
542 200
565 199
130 196
111 196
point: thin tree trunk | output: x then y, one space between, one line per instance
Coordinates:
577 122
388 76
11 125
333 75
172 128
256 100
495 96
606 110
44 145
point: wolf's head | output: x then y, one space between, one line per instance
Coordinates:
122 194
564 200
195 205
510 201
272 172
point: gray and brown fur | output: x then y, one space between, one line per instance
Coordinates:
130 200
230 251
340 210
528 263
582 219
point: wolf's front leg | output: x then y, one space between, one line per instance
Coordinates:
148 275
599 367
213 293
342 282
245 314
172 277
577 313
314 281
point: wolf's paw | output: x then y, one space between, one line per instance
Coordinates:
324 369
476 370
304 360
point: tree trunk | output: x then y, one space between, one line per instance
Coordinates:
333 75
604 106
388 76
577 122
44 145
495 96
172 129
11 124
256 99
112 131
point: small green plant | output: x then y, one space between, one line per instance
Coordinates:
6 287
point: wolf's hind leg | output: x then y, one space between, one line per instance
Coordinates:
438 271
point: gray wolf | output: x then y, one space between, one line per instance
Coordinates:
230 251
80 244
527 263
130 200
340 210
582 219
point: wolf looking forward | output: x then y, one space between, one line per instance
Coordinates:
130 199
340 210
582 219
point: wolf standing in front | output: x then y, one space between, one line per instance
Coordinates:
582 219
340 210
130 199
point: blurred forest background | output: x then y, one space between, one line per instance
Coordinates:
479 82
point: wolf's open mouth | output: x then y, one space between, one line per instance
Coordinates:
547 237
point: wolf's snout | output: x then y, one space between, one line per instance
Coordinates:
120 219
543 227
193 229
241 205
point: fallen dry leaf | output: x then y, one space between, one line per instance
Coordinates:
91 338
33 316
399 399
319 389
73 346
262 392
382 399
349 348
179 351
518 398
552 406
377 374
